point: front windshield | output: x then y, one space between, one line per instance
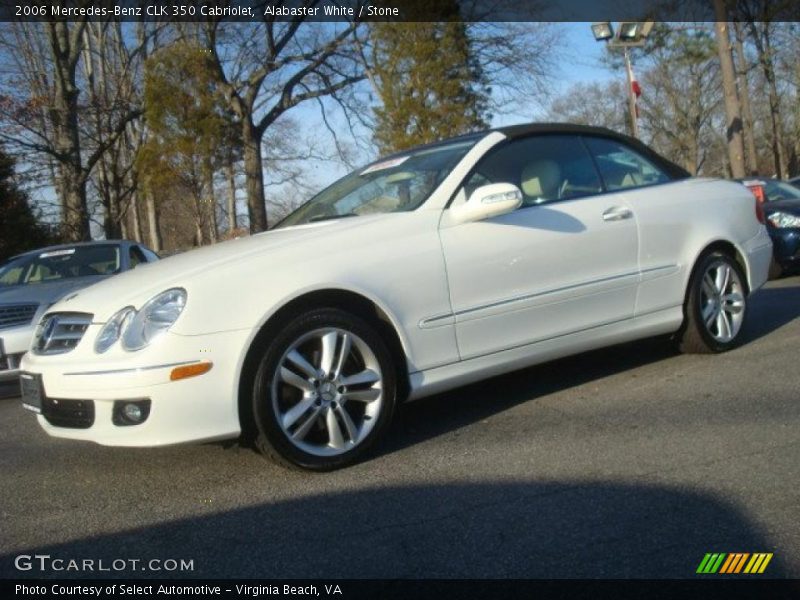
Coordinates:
63 263
778 190
397 184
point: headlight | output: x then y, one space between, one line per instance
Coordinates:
111 331
782 220
154 319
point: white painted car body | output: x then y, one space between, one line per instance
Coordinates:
467 300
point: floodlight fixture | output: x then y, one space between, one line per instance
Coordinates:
602 31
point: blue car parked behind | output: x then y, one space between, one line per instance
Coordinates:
782 209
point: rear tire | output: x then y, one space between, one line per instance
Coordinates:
715 306
324 391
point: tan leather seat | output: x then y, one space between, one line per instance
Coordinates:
540 181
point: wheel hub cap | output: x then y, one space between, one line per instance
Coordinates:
328 391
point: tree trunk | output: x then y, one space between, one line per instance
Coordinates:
111 220
123 227
137 225
254 176
733 124
744 97
65 49
198 232
211 203
231 173
152 222
76 216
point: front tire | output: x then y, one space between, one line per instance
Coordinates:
716 306
324 391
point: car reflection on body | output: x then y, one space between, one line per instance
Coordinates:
429 269
31 282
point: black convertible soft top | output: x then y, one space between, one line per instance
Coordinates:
528 129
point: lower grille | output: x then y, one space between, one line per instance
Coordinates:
75 414
10 362
13 315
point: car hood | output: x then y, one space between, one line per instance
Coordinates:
788 206
45 293
138 285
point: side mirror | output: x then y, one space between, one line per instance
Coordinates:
488 201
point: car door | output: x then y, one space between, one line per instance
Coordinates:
565 261
662 228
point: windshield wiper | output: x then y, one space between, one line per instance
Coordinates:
330 217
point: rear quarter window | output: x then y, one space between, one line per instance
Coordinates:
622 167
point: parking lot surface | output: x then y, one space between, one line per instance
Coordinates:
632 461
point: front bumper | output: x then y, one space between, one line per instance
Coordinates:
786 243
758 256
14 343
200 408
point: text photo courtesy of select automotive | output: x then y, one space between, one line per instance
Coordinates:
434 295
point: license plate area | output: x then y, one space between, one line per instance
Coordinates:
32 392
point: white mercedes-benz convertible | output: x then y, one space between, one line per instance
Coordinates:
426 270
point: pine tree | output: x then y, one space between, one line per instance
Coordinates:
21 228
429 81
189 132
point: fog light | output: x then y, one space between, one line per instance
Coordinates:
130 412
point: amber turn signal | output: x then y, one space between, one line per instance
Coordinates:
192 370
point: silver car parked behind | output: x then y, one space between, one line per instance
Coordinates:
32 282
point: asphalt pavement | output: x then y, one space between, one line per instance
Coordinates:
632 461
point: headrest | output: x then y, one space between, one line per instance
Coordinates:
541 179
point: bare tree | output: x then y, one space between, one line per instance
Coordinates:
269 68
761 34
112 67
46 115
599 105
683 94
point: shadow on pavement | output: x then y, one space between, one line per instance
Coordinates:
771 308
488 530
433 416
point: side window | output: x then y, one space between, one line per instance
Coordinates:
149 254
135 256
622 167
546 168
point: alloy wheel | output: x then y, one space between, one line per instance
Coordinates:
327 391
722 301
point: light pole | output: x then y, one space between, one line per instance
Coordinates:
631 34
631 93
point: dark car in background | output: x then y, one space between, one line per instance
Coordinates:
781 204
31 282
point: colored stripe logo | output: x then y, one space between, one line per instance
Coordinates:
734 563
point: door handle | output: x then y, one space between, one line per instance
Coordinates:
617 213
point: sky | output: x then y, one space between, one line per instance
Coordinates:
578 61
